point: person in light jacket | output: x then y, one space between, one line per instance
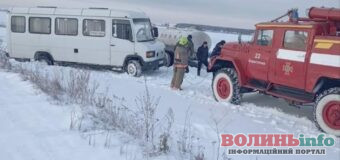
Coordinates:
181 59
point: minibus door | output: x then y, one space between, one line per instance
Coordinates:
122 43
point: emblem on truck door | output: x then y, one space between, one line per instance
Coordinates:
257 56
288 68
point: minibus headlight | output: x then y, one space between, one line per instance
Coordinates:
150 54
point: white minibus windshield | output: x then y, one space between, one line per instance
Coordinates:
143 30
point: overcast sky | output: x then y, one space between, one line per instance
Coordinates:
232 13
229 13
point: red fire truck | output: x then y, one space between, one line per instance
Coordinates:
298 60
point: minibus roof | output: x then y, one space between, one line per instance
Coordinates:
86 12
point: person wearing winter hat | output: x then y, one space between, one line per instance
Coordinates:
217 49
202 56
191 50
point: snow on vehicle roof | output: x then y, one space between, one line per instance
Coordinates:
98 12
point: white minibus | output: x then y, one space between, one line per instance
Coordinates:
120 40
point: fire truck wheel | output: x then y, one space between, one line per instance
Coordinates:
327 111
226 87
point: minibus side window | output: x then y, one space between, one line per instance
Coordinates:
40 25
18 24
122 29
94 27
66 26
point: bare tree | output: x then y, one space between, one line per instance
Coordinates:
217 123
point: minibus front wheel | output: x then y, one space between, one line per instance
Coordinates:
134 68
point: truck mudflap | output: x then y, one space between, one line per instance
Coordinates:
153 65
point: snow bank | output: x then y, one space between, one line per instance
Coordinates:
34 128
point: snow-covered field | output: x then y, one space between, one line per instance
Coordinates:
32 126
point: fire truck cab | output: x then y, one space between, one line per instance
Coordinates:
298 60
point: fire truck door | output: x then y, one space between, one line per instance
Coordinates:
290 65
259 55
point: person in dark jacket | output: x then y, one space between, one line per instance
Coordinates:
191 50
191 46
217 49
202 56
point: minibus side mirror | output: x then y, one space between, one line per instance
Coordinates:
155 31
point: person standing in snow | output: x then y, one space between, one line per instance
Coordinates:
181 58
191 50
217 49
191 46
202 56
